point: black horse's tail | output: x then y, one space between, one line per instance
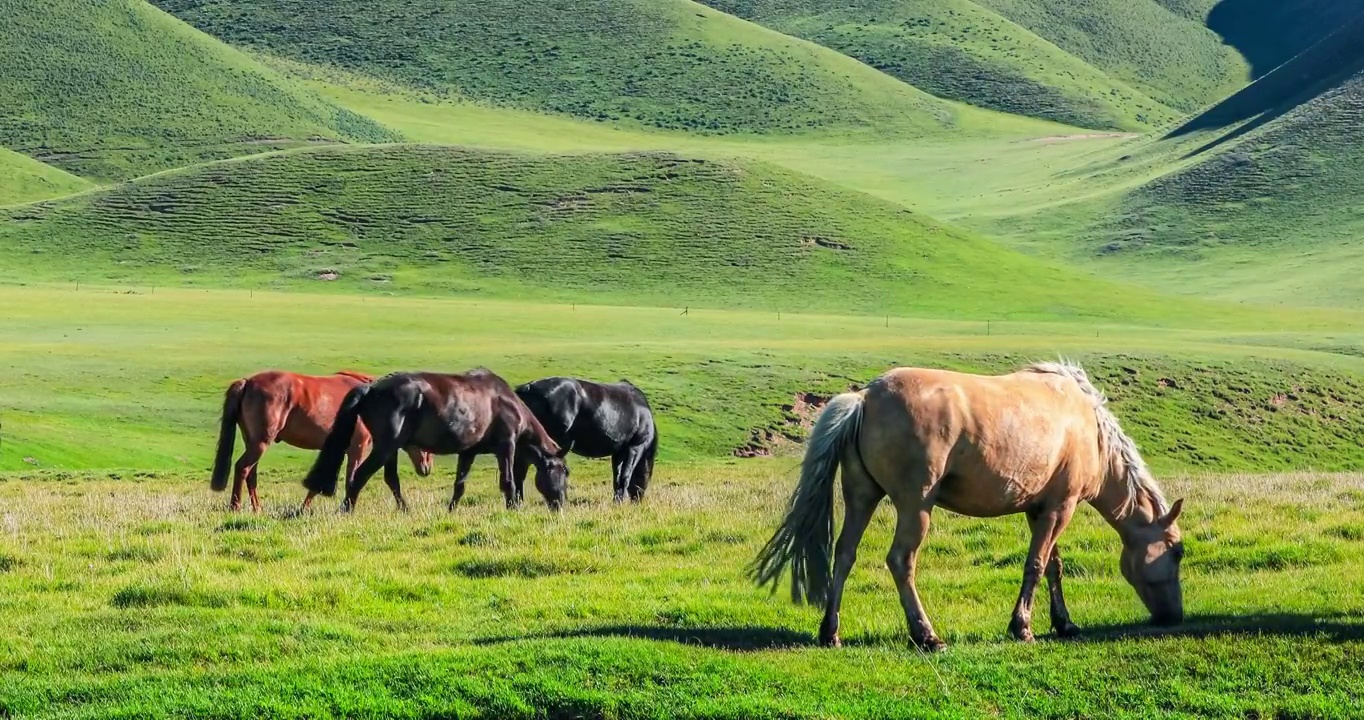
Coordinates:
645 469
227 434
322 477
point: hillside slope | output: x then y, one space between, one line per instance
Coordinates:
1160 47
23 179
961 50
658 63
627 228
1270 189
116 89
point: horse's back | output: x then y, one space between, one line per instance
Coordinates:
994 441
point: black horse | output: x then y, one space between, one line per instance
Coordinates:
471 414
597 420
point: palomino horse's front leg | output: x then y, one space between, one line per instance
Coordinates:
911 528
1046 526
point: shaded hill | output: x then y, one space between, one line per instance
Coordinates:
961 50
116 89
1272 32
23 179
629 228
659 63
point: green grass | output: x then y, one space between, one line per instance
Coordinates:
1258 392
116 89
24 180
622 228
668 64
964 51
138 596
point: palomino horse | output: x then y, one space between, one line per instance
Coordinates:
466 415
275 406
597 420
1037 441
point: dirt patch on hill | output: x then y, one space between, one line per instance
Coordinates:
788 436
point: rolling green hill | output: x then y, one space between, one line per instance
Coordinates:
631 228
1267 197
657 63
962 50
115 89
23 179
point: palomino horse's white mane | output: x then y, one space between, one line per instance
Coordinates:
1111 437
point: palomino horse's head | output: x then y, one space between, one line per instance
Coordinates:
1151 554
421 460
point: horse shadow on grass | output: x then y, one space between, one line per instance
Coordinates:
1336 628
738 638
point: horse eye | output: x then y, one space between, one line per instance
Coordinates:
1179 552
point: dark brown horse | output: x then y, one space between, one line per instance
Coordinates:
275 406
466 415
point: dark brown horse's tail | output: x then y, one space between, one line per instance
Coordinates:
227 434
322 477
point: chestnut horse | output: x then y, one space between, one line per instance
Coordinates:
1037 442
275 406
467 415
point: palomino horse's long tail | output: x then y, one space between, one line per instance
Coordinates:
227 434
322 477
805 539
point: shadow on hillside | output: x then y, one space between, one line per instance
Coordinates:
1325 56
737 639
1269 33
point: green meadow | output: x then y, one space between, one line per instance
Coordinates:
743 207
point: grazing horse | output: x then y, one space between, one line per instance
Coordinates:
471 414
597 420
276 406
1037 441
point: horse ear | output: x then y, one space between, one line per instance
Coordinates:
1173 515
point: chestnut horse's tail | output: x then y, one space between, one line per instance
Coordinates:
805 539
322 477
227 434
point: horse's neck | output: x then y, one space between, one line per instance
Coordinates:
1123 512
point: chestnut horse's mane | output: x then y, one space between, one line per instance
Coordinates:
1112 440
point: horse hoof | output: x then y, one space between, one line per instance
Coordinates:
931 644
1067 629
833 641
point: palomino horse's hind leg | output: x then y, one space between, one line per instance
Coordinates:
1060 615
1046 526
391 478
911 527
861 495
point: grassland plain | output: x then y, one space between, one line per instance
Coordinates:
117 89
134 594
671 64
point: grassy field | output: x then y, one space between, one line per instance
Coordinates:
135 594
118 89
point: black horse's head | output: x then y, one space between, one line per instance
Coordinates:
551 478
